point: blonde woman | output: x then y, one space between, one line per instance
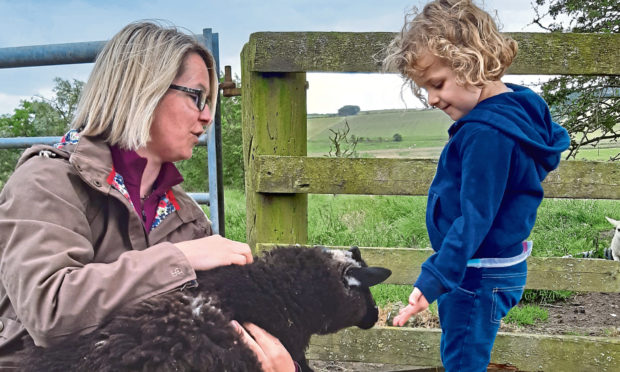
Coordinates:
483 200
99 220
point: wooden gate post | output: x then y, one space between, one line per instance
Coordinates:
274 123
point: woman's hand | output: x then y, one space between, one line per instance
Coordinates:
417 303
270 353
213 251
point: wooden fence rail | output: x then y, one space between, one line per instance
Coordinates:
279 176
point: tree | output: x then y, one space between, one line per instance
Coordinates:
51 117
194 170
587 106
36 117
342 146
348 110
397 137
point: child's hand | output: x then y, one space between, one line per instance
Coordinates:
417 303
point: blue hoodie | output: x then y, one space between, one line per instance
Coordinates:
482 202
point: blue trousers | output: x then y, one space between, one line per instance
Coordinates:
470 315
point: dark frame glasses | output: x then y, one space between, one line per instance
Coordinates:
200 97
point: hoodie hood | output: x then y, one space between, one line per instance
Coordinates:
524 116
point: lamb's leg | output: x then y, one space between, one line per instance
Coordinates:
304 365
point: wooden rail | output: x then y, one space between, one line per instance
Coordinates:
554 273
299 174
279 176
539 53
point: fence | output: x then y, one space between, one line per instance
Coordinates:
86 52
279 176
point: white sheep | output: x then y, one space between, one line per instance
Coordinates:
615 242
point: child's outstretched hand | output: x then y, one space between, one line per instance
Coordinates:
417 303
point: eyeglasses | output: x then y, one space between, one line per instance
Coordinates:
200 96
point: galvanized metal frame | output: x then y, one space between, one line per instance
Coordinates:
86 52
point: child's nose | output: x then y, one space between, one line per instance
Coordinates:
433 99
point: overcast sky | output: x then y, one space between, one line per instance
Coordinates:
38 22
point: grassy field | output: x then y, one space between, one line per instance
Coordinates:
563 226
424 133
420 130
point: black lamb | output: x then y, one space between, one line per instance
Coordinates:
291 292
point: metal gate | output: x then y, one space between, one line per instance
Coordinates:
86 52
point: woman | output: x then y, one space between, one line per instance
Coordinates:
99 220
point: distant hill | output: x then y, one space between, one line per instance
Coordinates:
423 132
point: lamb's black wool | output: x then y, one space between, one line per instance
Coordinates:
291 292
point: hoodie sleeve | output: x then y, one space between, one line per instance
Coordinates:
485 156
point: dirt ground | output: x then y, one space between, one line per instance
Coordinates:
585 314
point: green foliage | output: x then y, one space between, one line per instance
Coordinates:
587 106
232 141
194 170
526 315
348 110
580 15
397 137
39 117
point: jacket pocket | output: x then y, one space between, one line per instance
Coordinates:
9 328
504 299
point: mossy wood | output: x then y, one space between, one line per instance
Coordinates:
539 53
554 273
420 347
278 178
274 174
274 123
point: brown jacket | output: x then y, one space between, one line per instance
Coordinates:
73 249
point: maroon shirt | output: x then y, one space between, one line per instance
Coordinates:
131 166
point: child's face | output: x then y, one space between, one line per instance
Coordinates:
439 81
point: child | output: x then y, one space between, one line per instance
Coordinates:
482 203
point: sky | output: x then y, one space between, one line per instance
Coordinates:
39 22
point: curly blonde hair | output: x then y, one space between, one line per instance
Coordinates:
131 75
456 31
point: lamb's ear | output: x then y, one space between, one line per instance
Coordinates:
367 276
355 253
613 222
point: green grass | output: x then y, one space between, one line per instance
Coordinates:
568 226
234 212
390 293
602 154
371 221
543 296
526 315
562 227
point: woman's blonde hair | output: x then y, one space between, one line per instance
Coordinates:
131 75
459 33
